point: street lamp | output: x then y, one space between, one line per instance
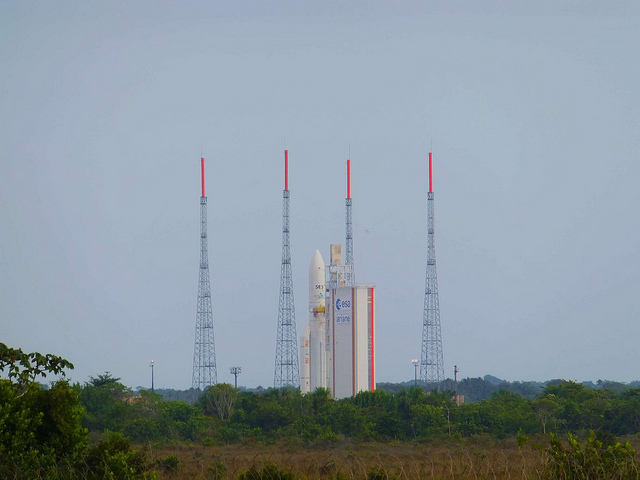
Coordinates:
455 377
415 371
235 371
151 365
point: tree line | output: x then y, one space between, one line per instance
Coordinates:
223 414
90 429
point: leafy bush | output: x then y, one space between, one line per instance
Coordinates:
589 461
114 458
40 429
170 463
142 430
207 441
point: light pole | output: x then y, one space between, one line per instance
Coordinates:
235 371
455 377
415 371
151 365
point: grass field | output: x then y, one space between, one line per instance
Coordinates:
478 458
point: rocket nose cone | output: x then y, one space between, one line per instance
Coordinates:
316 269
317 261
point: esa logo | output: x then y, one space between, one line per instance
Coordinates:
342 304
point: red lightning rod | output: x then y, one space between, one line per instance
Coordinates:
430 172
348 178
286 169
202 164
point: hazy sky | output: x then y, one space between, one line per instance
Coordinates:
532 113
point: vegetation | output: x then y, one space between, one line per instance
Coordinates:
224 415
590 460
479 457
90 431
41 431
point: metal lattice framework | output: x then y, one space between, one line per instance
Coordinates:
350 274
204 350
349 243
287 370
431 360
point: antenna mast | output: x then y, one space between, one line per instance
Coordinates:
350 276
431 361
287 370
204 350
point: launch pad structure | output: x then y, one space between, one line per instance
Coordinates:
337 349
431 359
287 371
350 276
204 350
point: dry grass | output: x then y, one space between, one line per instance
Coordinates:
481 458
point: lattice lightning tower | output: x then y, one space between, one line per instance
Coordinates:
204 350
287 372
350 276
431 360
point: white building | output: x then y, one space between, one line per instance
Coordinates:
351 319
341 332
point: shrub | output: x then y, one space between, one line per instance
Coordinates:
113 457
170 463
589 460
207 441
40 429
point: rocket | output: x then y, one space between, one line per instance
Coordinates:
317 324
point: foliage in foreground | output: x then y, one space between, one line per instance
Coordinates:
44 432
589 460
41 432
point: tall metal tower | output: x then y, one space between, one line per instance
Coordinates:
350 275
287 372
431 360
204 350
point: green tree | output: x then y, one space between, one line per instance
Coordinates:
40 429
627 416
428 420
219 400
23 368
181 421
546 409
319 398
107 403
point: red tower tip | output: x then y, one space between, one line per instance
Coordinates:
349 178
430 172
202 167
286 169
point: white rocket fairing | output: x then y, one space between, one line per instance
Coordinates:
317 324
